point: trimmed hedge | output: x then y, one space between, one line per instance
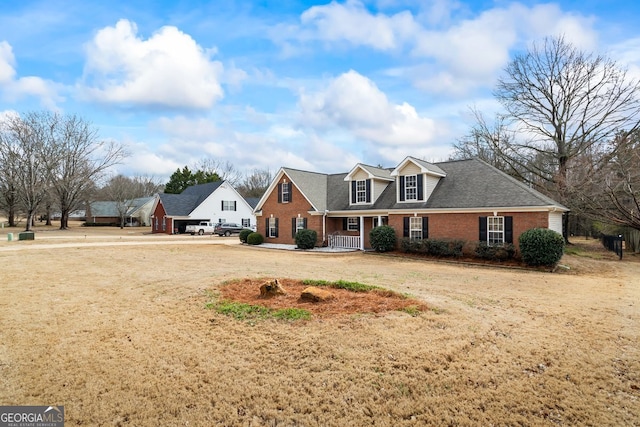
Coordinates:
434 247
495 253
243 235
306 239
541 246
255 238
382 238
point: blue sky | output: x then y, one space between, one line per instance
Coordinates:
312 85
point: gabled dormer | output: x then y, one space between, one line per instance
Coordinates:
366 183
415 180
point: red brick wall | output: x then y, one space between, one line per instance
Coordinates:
284 212
465 226
160 214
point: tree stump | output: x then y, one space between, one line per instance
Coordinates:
271 289
315 294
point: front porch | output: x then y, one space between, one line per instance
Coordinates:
351 232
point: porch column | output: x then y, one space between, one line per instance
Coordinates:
361 233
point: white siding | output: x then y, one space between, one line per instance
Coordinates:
378 188
431 183
410 169
211 208
360 175
555 221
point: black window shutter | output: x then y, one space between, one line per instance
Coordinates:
266 227
405 226
483 229
293 227
290 192
353 192
279 193
368 191
304 222
402 188
276 227
344 223
419 179
508 229
425 227
222 205
235 205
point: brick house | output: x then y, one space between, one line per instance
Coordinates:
212 202
466 199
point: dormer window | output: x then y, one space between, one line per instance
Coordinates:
361 191
410 187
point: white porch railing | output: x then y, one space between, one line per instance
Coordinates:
347 242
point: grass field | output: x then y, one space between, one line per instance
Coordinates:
116 325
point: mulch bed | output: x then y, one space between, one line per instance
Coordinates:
345 302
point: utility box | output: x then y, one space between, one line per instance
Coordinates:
26 235
9 237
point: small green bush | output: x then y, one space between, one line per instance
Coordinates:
306 239
541 246
243 235
255 239
495 253
382 238
416 246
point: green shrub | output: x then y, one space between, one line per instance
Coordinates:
495 253
382 238
433 247
541 246
255 239
306 239
243 235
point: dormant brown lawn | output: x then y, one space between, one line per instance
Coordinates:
113 325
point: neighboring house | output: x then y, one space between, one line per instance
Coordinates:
467 199
212 202
137 212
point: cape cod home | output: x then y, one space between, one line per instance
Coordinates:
466 199
212 202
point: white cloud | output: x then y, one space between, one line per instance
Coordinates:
168 69
7 62
14 89
354 104
353 23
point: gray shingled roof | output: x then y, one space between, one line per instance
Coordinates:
468 184
178 204
313 185
184 203
110 208
377 172
430 166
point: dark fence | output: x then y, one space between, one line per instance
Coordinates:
613 243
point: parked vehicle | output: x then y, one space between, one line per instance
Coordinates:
203 228
228 228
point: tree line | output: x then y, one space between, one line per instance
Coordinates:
54 162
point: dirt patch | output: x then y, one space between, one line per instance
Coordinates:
345 301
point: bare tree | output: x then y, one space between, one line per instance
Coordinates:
76 157
8 190
22 140
124 191
256 183
562 104
226 171
614 192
